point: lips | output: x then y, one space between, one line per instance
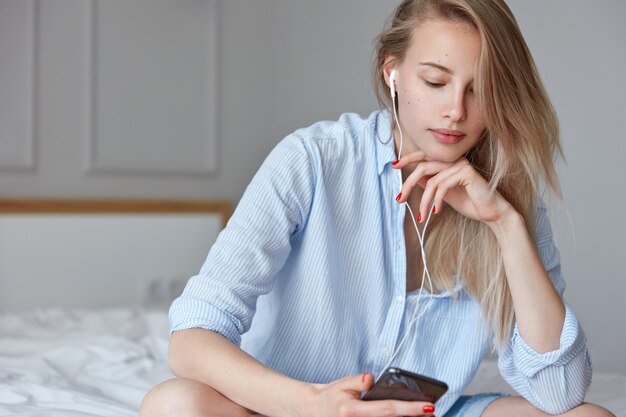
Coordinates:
447 136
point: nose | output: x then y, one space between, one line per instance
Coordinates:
455 106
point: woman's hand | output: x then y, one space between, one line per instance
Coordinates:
457 183
342 398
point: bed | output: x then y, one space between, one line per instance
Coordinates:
68 363
80 361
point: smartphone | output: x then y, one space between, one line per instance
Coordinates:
398 384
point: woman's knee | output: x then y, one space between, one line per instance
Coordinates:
516 405
591 410
188 398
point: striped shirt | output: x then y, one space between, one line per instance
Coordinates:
309 277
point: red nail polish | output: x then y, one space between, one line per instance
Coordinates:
434 209
394 163
399 197
429 409
419 217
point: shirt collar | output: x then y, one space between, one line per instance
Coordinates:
385 148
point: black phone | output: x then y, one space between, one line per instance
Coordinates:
398 384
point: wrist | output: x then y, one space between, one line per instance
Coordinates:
301 400
510 220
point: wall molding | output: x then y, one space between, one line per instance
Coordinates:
24 156
200 155
21 206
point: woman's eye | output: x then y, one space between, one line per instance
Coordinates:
433 85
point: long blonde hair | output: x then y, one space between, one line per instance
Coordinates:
516 154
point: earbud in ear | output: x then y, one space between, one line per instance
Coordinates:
392 83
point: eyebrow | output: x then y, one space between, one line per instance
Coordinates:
440 67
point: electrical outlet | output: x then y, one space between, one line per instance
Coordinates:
156 294
160 292
176 287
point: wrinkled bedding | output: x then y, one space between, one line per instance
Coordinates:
80 363
83 363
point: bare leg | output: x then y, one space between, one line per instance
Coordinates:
520 407
188 398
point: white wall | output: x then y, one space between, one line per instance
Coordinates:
285 64
580 51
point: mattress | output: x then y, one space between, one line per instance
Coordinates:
80 363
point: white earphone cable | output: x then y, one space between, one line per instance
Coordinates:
425 273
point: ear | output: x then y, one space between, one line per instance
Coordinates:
388 66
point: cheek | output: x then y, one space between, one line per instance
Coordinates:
476 116
414 108
479 126
476 121
415 102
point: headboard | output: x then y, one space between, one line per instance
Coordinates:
102 253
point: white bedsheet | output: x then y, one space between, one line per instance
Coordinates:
82 363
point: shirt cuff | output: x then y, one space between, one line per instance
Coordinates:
528 361
189 314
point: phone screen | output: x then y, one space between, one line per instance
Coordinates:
398 384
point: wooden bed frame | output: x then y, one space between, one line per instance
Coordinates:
102 252
102 206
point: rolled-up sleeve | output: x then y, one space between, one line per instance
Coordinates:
252 248
555 381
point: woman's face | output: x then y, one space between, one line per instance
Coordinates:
436 104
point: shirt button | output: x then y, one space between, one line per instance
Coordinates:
399 299
386 351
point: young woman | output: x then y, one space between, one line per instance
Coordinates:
319 281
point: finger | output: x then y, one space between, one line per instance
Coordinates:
422 170
393 408
412 158
442 190
432 186
457 180
359 383
458 176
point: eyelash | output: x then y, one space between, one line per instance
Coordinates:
438 85
433 85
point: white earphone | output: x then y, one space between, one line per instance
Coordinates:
425 274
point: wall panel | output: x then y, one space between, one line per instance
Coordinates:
153 85
17 84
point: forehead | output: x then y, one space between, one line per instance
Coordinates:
454 45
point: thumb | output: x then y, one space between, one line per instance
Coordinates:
359 383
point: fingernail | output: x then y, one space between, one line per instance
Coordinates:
419 217
429 409
399 197
363 377
394 163
434 209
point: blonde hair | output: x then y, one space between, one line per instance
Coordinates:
515 155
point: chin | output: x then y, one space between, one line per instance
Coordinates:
443 156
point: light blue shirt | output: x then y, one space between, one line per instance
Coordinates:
309 277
